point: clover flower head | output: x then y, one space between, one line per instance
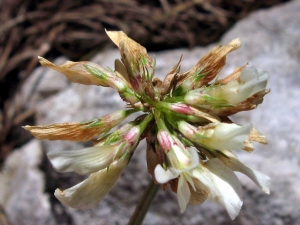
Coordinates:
190 139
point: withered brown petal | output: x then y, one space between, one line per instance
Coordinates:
256 136
248 146
121 69
66 131
213 62
75 71
119 37
197 197
167 84
249 104
233 76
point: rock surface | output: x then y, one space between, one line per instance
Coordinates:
270 41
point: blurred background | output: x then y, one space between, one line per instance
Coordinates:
75 30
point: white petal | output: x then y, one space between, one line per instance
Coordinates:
90 191
163 176
183 193
83 161
194 157
254 79
229 136
222 185
251 81
260 179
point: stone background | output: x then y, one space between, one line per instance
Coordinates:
270 40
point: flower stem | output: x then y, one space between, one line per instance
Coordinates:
144 204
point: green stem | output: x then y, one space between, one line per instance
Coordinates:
174 99
144 204
130 111
149 100
159 120
145 122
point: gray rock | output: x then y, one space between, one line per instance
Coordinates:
270 41
22 187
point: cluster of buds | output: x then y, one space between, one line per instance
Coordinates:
190 139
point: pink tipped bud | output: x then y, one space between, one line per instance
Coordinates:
165 140
133 135
180 157
181 108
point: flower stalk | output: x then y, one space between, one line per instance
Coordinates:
184 119
143 205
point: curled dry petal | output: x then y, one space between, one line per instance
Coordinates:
166 86
124 42
197 196
233 76
64 131
120 69
248 146
90 191
119 37
256 136
75 71
79 131
136 60
211 64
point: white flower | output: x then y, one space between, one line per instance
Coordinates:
217 135
184 120
92 159
89 192
87 160
215 178
105 162
221 184
180 157
250 81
